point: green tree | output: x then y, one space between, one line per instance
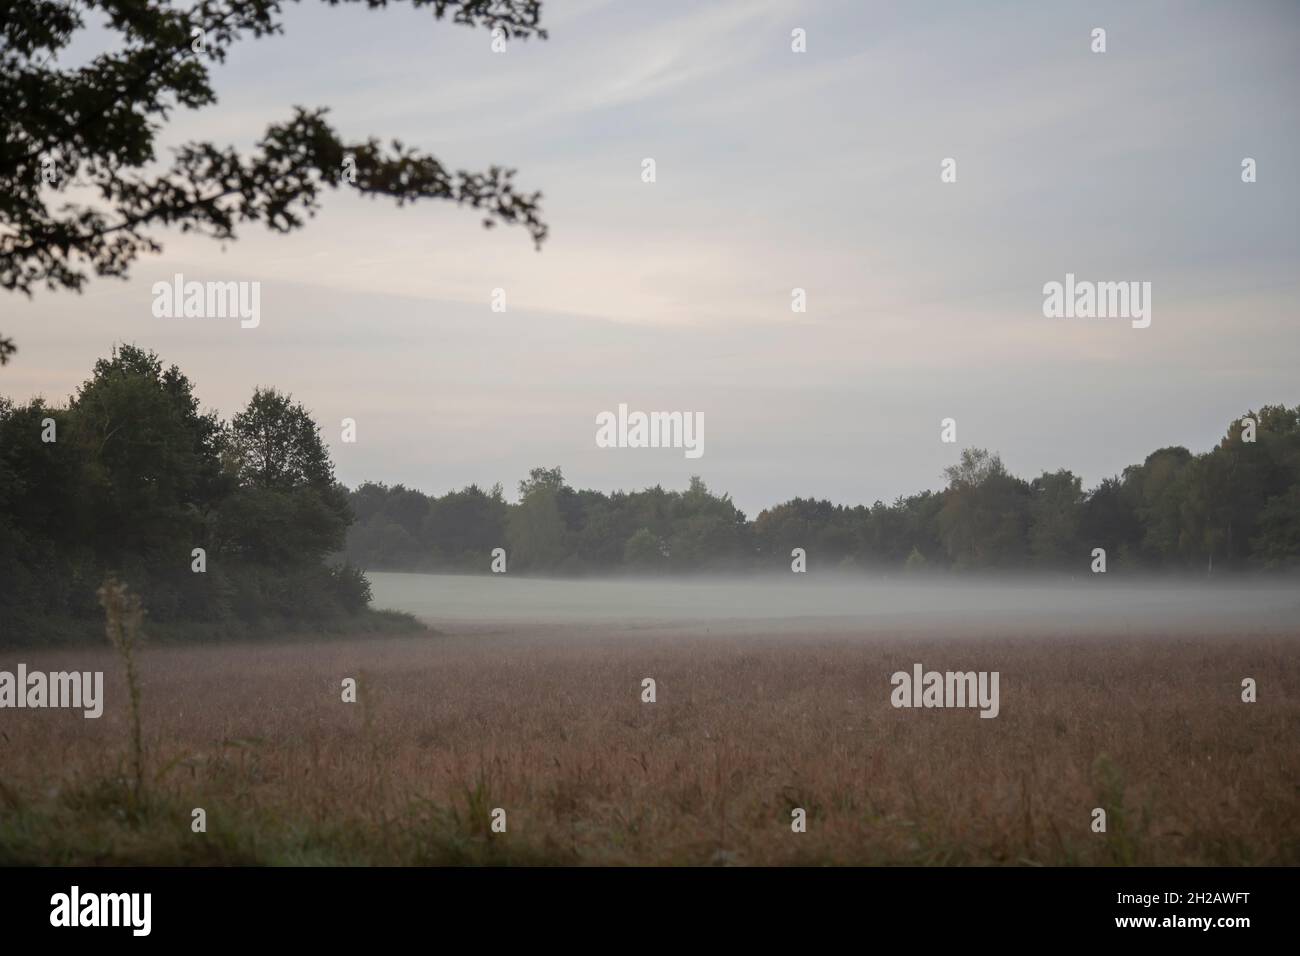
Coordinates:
1238 480
985 514
822 529
707 530
464 526
1109 521
44 513
1278 543
1157 485
535 529
277 444
1055 510
287 508
1206 496
644 551
889 533
542 479
153 469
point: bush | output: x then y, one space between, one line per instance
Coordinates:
351 587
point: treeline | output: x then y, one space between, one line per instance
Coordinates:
207 521
1235 507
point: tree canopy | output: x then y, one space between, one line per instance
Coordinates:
224 523
1232 507
82 188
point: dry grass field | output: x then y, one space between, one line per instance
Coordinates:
550 727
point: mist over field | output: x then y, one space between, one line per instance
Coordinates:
809 605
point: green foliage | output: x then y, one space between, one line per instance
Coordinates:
350 587
826 532
1278 543
1236 507
398 527
1055 509
984 519
643 551
535 529
136 477
151 460
286 508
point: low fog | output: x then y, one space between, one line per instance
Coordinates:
802 606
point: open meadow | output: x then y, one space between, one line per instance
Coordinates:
546 721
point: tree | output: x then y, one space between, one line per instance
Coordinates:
605 529
77 131
466 525
152 460
985 513
542 479
817 526
1241 477
287 509
277 445
1206 496
1054 510
43 514
975 468
1278 545
1157 485
889 533
707 530
644 551
131 477
536 530
1109 521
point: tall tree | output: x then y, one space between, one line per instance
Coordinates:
985 513
1157 486
288 508
1109 521
1054 513
278 445
536 529
151 456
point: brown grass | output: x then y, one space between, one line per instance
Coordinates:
553 731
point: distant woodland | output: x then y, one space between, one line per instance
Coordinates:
230 524
1235 507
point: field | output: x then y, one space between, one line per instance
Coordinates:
548 724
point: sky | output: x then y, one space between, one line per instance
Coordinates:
775 170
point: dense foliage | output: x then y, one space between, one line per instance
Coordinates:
130 477
1235 507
